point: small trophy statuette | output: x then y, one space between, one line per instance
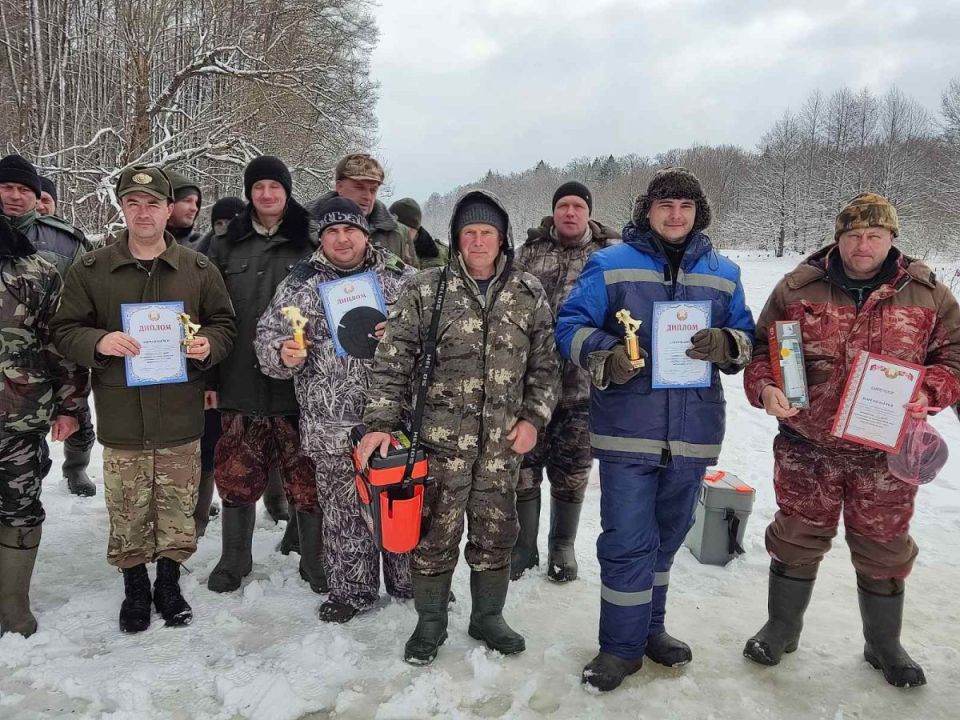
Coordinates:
297 323
190 328
630 337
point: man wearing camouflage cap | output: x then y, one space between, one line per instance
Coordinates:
858 293
150 433
653 444
187 200
358 177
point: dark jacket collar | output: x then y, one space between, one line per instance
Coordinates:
600 234
645 241
295 227
14 243
120 255
814 268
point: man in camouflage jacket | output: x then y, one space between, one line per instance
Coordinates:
859 293
493 390
556 252
40 388
331 393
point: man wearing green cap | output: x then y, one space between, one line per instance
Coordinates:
187 199
150 433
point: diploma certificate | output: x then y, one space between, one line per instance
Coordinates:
674 323
353 306
162 358
872 411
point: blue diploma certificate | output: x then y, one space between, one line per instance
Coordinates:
162 357
353 306
674 323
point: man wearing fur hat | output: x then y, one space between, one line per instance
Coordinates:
259 413
556 253
858 293
654 445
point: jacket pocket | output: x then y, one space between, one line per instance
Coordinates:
239 284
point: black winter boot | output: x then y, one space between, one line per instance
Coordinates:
525 554
562 560
290 542
237 559
787 601
605 672
18 555
274 499
311 551
431 597
488 590
666 650
75 464
882 618
202 513
166 594
337 612
135 609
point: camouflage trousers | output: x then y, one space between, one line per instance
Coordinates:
563 449
814 486
85 436
350 558
24 462
150 498
484 490
252 444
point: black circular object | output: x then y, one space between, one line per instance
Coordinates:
355 331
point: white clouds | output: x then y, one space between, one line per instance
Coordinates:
469 85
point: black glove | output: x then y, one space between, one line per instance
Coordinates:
713 344
618 368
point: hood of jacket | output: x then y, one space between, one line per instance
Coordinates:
506 247
13 243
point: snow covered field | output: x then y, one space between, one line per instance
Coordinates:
261 653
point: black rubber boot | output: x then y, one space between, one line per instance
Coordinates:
290 542
237 559
75 464
666 650
311 551
18 555
166 594
431 597
135 609
525 554
787 600
561 559
488 590
337 612
882 619
202 514
605 672
274 499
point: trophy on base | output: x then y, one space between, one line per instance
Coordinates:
630 338
190 329
297 324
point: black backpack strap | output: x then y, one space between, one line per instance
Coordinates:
426 375
733 530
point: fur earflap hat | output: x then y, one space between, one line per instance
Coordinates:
673 183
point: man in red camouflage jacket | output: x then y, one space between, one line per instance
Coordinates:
859 293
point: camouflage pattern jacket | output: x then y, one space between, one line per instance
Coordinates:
557 267
38 383
496 358
58 242
911 317
331 390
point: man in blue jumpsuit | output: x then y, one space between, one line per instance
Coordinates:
653 445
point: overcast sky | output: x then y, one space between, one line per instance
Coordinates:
469 85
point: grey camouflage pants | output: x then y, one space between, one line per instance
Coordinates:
24 462
563 449
350 558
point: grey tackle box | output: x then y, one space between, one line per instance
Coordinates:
720 518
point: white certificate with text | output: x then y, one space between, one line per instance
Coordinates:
674 323
162 358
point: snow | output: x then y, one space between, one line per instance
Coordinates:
261 653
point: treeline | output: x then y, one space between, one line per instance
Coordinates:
783 195
89 87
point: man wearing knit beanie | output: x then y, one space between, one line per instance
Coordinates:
556 253
269 237
859 293
187 200
47 203
654 437
358 177
61 244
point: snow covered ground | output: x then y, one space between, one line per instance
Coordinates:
261 653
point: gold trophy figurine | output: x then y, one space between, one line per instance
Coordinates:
297 323
190 329
630 337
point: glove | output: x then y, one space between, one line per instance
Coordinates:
618 368
713 344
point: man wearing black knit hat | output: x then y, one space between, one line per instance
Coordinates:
259 414
60 244
555 253
654 437
47 204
